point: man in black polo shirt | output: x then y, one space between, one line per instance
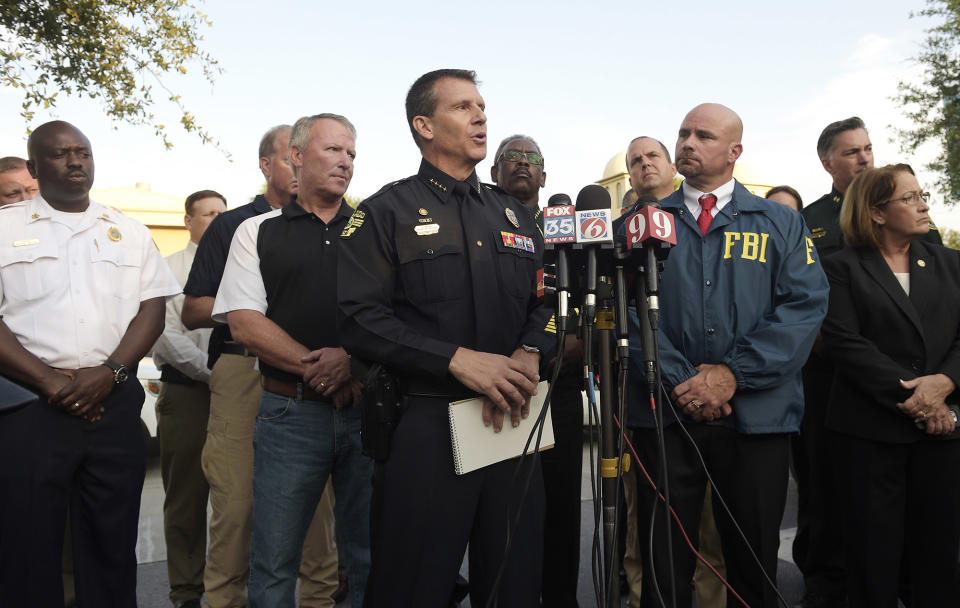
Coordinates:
279 296
227 457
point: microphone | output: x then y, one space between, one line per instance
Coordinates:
650 225
594 230
652 232
559 228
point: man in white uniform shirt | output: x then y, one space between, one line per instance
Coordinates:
183 408
82 291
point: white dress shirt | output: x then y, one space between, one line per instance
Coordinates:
68 292
691 198
180 347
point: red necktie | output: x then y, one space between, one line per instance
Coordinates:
707 201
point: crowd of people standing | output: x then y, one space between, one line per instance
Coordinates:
822 339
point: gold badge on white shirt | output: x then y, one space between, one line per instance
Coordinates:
114 235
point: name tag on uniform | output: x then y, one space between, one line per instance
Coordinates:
426 229
26 242
517 241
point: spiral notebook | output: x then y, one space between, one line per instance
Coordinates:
476 446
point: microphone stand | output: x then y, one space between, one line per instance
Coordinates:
609 446
648 311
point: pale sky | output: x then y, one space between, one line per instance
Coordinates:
582 80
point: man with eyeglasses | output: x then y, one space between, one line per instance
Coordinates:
845 150
518 169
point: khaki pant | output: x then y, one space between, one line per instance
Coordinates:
182 414
710 591
227 461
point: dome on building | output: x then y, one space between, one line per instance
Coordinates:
751 177
615 166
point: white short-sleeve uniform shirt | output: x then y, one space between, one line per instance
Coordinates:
71 283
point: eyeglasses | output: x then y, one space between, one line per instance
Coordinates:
514 156
911 198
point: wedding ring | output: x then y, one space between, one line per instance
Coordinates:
922 414
322 385
696 404
76 405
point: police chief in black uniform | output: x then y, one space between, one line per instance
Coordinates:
437 280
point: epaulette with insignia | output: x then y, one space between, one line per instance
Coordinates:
494 188
353 224
385 188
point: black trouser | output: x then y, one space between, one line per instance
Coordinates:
818 546
750 472
562 467
424 515
51 460
900 500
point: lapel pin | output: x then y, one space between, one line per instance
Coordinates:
512 217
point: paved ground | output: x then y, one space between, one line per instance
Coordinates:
151 553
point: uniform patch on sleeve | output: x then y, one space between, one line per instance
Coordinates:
517 241
353 224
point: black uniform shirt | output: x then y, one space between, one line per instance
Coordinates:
823 220
207 268
298 265
429 264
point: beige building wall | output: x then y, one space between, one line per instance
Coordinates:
161 213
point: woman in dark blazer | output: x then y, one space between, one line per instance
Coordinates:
893 329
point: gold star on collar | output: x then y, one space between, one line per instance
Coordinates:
438 184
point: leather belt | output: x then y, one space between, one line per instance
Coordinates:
296 390
235 348
448 389
169 373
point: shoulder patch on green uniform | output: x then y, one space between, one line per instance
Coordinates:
353 224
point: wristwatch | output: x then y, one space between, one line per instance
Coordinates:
530 349
120 373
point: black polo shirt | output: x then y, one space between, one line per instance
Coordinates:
298 264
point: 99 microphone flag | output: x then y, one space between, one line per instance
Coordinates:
650 224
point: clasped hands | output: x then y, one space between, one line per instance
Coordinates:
706 396
79 392
506 383
927 403
328 373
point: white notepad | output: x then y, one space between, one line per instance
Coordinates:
476 446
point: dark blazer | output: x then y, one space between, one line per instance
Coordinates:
877 335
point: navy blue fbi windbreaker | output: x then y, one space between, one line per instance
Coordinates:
750 294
